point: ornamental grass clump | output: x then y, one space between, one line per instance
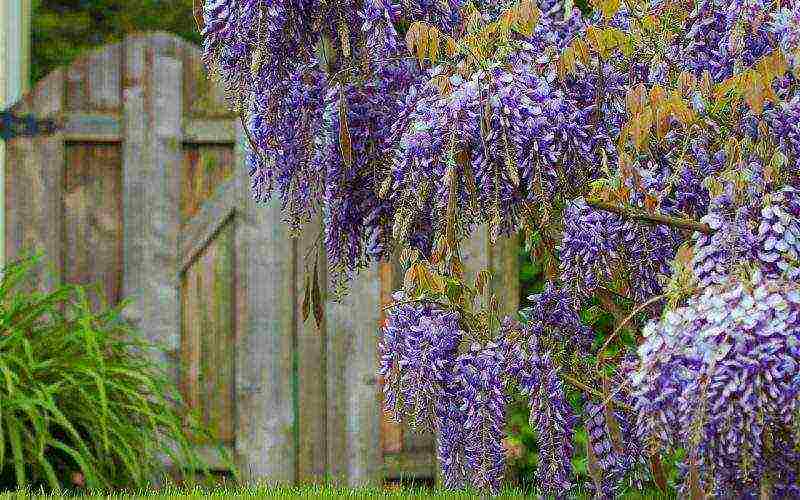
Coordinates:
81 404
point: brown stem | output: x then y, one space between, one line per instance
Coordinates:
197 11
630 316
655 218
594 392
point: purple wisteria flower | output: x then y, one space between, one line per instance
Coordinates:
720 374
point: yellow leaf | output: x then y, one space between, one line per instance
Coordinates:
657 95
450 46
433 44
567 61
581 50
610 8
593 38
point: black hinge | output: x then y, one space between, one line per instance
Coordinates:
12 126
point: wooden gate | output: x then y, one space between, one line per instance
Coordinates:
144 191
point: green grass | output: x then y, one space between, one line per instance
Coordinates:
264 490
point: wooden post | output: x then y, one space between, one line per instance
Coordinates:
15 27
354 415
265 283
151 164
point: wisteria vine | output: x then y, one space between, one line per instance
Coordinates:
648 150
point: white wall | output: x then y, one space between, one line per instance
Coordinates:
15 27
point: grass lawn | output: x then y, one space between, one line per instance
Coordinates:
266 491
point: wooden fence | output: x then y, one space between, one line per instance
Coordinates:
144 191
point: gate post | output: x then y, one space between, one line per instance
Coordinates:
151 166
265 318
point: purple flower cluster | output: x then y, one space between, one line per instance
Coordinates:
464 396
554 340
725 35
763 231
720 375
617 444
418 348
461 396
599 247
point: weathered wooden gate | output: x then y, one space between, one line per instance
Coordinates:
144 191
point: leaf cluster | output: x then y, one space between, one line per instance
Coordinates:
82 401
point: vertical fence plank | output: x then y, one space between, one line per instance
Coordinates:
136 176
354 415
93 218
46 162
265 315
103 78
311 414
504 266
152 155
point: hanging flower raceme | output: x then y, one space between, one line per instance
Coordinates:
721 375
418 348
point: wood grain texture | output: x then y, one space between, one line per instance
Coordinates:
152 157
504 266
208 338
34 184
265 409
205 169
354 415
311 408
93 218
204 97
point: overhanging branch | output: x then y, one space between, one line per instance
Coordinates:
653 218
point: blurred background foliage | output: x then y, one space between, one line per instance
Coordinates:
64 29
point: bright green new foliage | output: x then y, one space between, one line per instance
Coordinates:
81 402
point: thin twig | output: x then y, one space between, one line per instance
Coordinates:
630 316
594 392
655 218
197 11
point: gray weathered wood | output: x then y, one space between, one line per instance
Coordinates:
354 416
34 184
199 230
209 131
103 78
107 127
265 436
82 127
311 417
151 164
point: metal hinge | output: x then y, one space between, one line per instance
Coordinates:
13 126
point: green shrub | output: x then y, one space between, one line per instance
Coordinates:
80 402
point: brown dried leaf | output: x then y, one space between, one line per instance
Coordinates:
658 473
306 306
345 144
316 299
614 432
593 466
